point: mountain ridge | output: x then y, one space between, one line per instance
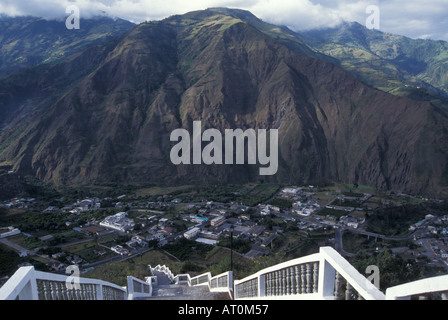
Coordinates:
399 61
27 41
112 121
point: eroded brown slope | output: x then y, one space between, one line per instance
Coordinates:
114 124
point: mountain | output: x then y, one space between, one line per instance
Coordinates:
30 41
106 113
392 63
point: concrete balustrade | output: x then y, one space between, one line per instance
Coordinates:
322 276
437 286
29 284
314 277
138 289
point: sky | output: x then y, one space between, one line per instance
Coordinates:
427 19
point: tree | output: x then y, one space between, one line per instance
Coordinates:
393 269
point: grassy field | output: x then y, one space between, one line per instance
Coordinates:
158 191
249 194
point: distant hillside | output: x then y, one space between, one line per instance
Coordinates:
30 41
392 63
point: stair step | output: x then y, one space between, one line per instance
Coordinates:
165 290
179 292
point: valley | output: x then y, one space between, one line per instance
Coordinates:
117 147
194 229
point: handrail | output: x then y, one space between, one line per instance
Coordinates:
321 276
164 269
200 280
316 276
418 288
138 288
30 284
276 283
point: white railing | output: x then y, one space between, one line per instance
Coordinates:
29 284
321 276
165 270
435 287
219 283
201 280
138 288
222 283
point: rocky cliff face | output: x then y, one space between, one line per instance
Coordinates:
106 114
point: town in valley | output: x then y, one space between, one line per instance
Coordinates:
258 223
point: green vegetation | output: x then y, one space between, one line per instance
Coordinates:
248 194
346 203
282 203
393 269
8 261
184 249
31 41
391 63
395 221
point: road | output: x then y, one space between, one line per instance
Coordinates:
22 251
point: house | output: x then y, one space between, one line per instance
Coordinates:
265 211
267 242
57 266
257 230
353 225
216 222
74 260
163 222
290 190
120 250
11 232
58 255
209 235
84 205
136 241
207 241
192 233
118 222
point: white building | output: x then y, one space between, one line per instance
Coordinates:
217 221
290 190
353 225
191 234
118 222
207 241
12 232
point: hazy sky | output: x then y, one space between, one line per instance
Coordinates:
416 19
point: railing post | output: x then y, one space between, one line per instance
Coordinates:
298 287
29 291
99 292
337 282
261 285
308 278
303 278
326 283
348 291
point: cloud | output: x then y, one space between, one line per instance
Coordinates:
416 19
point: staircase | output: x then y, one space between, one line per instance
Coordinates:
165 290
321 276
